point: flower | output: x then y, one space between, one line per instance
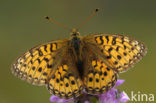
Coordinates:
56 99
112 96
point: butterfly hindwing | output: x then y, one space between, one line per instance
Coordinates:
65 81
98 76
36 64
120 51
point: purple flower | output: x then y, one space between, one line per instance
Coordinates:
112 96
56 99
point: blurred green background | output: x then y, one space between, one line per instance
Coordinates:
22 26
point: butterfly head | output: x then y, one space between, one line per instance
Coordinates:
75 33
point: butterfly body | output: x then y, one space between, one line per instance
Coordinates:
69 66
76 43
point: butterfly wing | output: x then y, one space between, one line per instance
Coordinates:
120 51
36 65
65 82
98 76
50 64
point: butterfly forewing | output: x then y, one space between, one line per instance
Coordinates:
36 65
120 51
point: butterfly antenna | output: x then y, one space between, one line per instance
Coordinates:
55 22
89 17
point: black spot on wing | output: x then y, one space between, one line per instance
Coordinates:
117 49
102 41
114 41
45 48
107 39
110 49
51 47
40 52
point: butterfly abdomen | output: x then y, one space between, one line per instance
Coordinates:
80 69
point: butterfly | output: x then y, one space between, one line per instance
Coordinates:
69 66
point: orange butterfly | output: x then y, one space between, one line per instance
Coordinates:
68 66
